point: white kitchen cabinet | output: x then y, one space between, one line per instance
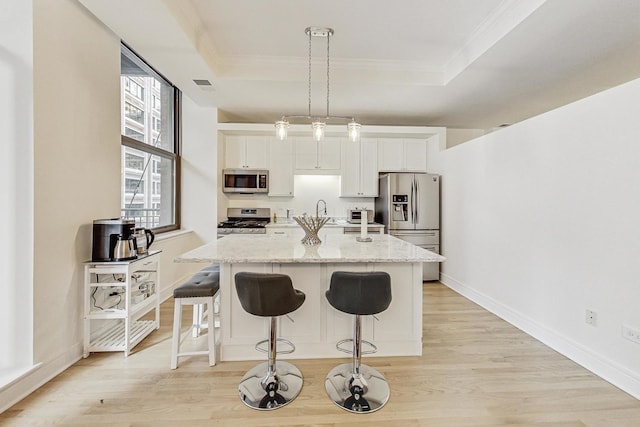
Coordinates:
293 229
359 174
280 168
317 157
246 152
402 155
285 230
116 296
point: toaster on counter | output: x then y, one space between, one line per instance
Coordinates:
355 216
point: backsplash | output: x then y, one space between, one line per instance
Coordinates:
308 190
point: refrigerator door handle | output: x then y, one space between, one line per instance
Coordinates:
417 202
413 203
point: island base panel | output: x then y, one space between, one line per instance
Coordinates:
316 327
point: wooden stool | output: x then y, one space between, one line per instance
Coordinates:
202 288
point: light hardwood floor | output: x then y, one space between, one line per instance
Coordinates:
476 370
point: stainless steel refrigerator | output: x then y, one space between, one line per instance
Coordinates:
408 204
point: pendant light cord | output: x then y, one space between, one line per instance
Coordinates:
328 37
309 86
318 123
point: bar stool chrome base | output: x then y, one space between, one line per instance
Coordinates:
262 390
366 392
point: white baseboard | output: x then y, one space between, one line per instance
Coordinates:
27 382
37 377
604 368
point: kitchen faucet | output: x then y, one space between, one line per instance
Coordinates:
317 207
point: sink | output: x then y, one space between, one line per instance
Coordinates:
284 221
334 221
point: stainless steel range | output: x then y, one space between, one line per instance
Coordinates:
245 221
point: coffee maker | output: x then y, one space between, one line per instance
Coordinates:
107 233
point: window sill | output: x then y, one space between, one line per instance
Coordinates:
172 235
8 377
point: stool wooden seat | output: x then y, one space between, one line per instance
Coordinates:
203 288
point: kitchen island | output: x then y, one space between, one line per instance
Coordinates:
316 326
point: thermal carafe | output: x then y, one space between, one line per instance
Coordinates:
144 239
124 249
105 237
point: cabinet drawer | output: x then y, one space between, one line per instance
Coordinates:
426 238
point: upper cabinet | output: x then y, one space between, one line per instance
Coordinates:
280 167
317 157
402 155
246 152
359 176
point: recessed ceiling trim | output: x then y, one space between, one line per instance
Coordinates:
270 68
501 22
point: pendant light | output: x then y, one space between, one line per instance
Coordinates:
318 123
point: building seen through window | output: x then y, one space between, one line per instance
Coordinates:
149 145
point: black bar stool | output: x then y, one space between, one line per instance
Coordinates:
353 386
272 384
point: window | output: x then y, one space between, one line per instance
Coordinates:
134 162
134 134
133 113
134 89
150 156
134 185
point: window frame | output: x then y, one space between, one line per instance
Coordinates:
127 141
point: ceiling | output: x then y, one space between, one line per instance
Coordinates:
470 64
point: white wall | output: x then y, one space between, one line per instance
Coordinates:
76 174
459 136
16 186
199 169
541 221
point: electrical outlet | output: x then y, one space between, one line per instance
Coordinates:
590 317
631 334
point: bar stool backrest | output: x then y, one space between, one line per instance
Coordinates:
362 293
267 295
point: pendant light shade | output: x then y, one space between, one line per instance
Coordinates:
354 131
318 123
281 129
318 130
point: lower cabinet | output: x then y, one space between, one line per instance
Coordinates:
316 326
296 231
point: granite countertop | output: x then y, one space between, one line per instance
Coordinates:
266 248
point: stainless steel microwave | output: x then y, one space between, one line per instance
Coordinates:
245 181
